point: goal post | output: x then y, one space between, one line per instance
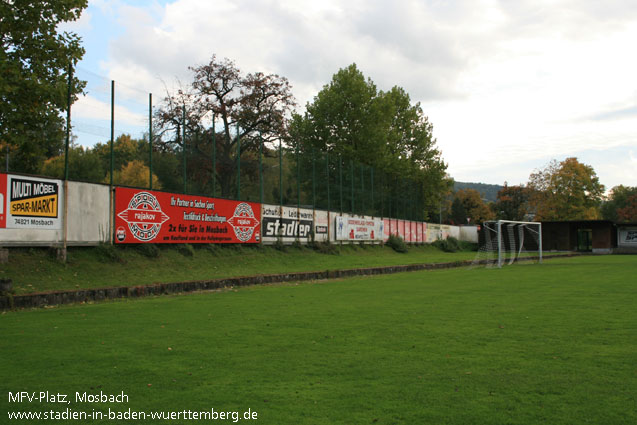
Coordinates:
507 241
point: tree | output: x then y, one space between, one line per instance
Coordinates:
84 165
250 108
135 173
628 213
458 212
617 199
512 203
568 190
125 150
344 119
475 208
350 119
34 65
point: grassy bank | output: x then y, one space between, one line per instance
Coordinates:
37 270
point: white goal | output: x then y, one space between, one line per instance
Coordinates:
504 242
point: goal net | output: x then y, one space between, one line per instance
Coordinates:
505 242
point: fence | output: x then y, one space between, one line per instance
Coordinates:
114 139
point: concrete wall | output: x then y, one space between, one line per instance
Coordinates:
469 234
88 214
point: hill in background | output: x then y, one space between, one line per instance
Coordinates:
489 192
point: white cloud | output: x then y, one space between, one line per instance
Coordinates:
506 84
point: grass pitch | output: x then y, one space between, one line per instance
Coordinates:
554 343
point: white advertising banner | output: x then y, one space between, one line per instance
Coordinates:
289 223
359 229
30 202
627 236
320 225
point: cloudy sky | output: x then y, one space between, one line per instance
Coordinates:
509 85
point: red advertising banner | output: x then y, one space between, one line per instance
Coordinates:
159 217
401 229
386 230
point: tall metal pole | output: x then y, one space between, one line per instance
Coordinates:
260 169
362 189
340 180
68 126
372 188
214 158
112 129
313 180
298 179
280 175
351 175
183 144
150 140
238 163
327 166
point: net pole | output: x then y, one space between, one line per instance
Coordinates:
351 175
260 169
281 177
313 180
112 128
150 141
68 126
340 180
238 163
183 141
327 180
214 158
298 181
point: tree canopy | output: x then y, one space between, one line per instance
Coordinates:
512 203
34 65
469 208
618 199
350 118
568 190
249 108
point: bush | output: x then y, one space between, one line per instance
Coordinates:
186 250
279 245
450 244
326 248
397 244
109 252
212 248
149 250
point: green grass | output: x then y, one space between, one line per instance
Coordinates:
36 270
529 344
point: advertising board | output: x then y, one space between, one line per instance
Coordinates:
30 202
627 236
289 224
159 217
358 229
